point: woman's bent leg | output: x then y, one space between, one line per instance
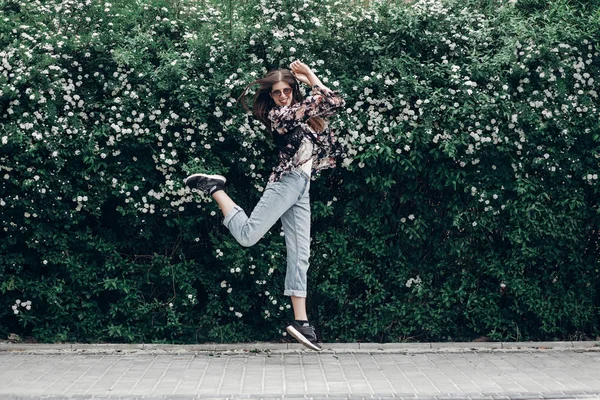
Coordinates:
277 198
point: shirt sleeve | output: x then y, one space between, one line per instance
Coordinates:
319 104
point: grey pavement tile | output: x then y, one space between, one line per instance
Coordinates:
496 375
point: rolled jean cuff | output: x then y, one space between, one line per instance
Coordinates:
295 293
231 214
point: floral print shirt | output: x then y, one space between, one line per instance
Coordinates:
296 141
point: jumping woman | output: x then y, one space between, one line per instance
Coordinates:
305 146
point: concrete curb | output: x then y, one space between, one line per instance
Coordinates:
282 348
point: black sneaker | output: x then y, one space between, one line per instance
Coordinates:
206 183
305 334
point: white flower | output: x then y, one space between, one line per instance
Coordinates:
224 284
416 281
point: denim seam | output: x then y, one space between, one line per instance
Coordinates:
264 194
297 247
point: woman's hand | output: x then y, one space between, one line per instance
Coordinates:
302 72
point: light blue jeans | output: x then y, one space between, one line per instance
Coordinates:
289 200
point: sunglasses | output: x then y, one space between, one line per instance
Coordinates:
277 93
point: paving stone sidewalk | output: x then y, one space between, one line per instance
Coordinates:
475 371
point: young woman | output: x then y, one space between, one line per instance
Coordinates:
305 145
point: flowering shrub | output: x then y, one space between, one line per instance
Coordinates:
465 204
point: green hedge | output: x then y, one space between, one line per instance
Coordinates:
466 203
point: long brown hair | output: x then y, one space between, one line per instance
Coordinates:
263 102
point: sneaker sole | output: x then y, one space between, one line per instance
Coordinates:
218 177
302 339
